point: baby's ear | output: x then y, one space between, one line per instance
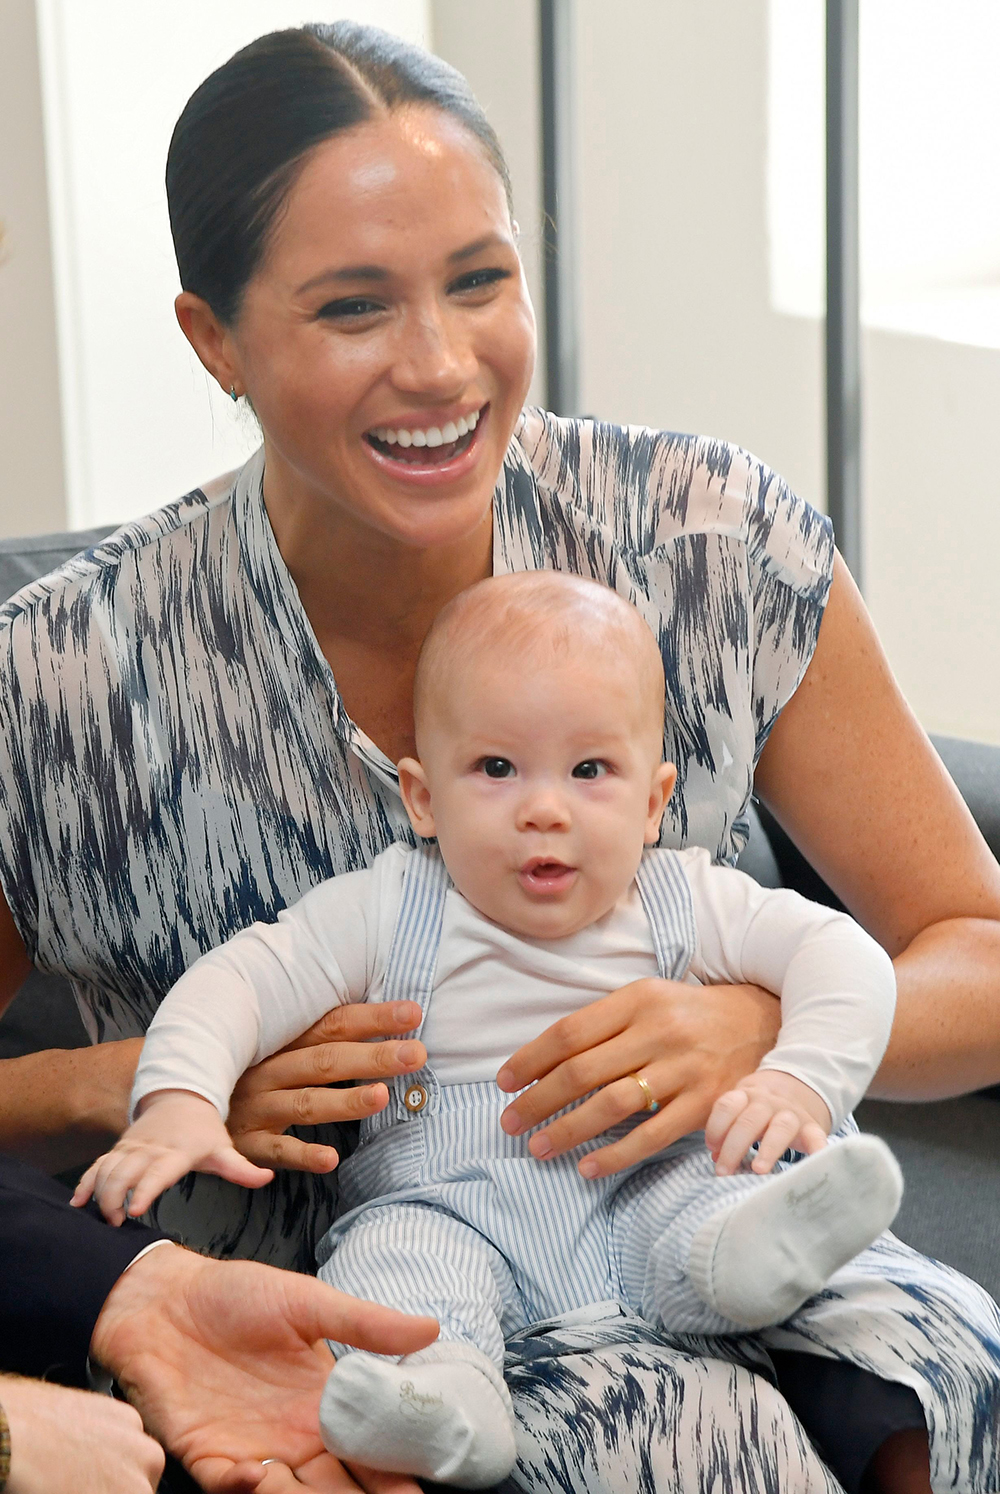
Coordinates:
416 796
659 796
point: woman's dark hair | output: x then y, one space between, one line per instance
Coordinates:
243 136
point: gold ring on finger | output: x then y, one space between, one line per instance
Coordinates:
652 1103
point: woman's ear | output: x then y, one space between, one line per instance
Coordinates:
659 797
416 796
211 341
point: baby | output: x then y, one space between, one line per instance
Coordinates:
538 795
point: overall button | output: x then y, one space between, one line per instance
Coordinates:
415 1098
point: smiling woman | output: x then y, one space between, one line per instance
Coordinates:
201 720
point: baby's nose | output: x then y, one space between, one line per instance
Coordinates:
544 811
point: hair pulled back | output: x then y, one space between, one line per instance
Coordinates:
244 134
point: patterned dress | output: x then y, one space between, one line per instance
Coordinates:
176 763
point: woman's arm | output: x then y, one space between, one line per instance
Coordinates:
62 1108
853 779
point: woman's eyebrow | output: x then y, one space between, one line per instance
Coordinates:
379 273
488 241
349 272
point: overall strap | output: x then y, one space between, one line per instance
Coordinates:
665 894
409 974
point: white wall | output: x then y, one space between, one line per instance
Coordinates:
494 43
32 480
142 422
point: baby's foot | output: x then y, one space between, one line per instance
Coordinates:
759 1260
443 1414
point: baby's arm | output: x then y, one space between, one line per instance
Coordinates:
174 1133
235 1007
837 990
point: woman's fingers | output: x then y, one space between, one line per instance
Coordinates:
676 1119
574 1035
332 1063
579 1075
358 1022
287 1153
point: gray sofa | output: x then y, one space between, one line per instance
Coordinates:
949 1151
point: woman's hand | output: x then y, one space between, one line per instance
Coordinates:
289 1089
690 1043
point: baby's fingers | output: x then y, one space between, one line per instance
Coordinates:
84 1190
725 1110
230 1164
779 1136
812 1138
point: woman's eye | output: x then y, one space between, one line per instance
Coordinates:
590 768
479 279
497 767
351 306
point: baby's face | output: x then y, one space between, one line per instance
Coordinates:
542 786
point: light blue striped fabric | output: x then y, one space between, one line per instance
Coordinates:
447 1215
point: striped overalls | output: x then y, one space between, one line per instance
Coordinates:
447 1215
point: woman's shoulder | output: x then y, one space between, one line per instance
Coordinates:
648 488
141 554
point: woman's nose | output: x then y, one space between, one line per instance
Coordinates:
434 357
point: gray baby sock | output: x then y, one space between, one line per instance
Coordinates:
757 1261
443 1414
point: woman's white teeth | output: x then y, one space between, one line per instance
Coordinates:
435 436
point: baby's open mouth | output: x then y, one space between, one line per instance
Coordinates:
542 875
432 446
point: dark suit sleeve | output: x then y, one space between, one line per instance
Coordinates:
57 1266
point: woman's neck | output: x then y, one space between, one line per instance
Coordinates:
370 601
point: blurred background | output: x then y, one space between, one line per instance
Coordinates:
697 234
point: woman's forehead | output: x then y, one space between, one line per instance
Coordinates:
412 173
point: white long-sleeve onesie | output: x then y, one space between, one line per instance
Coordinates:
495 990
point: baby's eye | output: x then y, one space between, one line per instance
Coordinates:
497 767
590 768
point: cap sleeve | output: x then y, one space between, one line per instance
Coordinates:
790 551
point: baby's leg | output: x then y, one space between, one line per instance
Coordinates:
444 1413
701 1254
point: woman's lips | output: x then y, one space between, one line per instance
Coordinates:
427 466
546 878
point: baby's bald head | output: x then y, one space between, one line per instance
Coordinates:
537 618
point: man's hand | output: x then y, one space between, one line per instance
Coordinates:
691 1044
71 1442
176 1132
769 1107
291 1087
226 1362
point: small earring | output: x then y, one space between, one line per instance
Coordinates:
232 393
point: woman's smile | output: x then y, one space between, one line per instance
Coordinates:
428 454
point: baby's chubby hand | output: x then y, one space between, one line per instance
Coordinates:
176 1132
771 1108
